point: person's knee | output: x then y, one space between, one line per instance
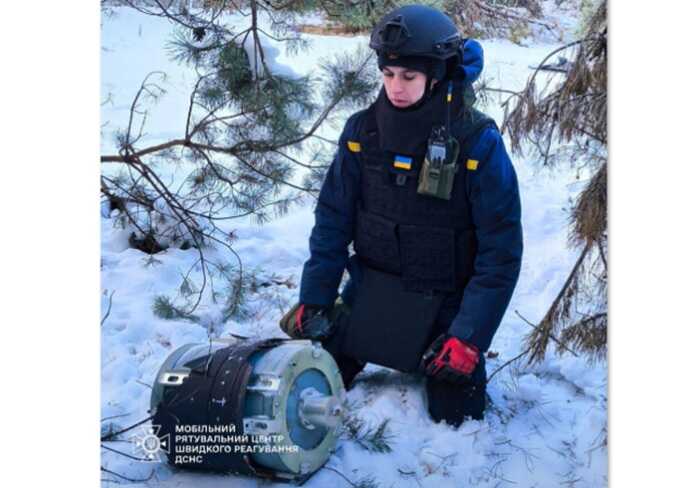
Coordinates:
349 366
454 403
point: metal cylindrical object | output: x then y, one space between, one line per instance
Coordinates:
289 393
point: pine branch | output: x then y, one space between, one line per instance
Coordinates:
509 14
366 482
551 336
165 309
377 439
539 338
239 143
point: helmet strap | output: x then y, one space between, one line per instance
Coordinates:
449 102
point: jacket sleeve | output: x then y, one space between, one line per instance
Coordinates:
334 222
495 201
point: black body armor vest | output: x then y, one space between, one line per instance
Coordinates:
429 242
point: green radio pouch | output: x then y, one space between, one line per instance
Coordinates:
437 174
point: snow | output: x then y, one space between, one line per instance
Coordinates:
547 423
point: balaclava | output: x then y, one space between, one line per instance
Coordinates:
406 130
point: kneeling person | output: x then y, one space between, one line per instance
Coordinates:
423 188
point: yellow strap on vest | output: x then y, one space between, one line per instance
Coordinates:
472 164
354 146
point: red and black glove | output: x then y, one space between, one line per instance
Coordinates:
450 359
311 322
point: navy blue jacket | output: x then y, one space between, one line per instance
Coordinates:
495 206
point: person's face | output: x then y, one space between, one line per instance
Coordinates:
403 87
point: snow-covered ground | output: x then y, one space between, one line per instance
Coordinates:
546 424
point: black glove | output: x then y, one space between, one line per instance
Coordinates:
307 322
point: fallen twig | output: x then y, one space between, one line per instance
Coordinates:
115 434
510 361
109 308
363 483
133 480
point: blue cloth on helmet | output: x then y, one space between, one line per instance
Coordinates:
472 60
495 205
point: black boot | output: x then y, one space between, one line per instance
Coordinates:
453 403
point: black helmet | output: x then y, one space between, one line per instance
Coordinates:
417 30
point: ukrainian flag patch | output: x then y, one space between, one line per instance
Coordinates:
472 164
354 146
403 162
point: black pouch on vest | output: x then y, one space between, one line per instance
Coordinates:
388 325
